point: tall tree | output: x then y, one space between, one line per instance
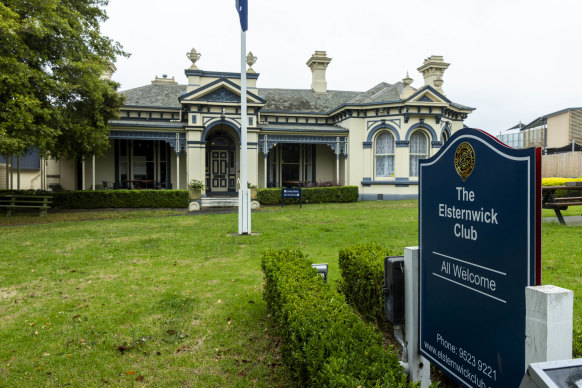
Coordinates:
53 96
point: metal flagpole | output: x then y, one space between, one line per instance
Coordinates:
244 198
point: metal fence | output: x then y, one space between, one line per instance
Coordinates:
514 140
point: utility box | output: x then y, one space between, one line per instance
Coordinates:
321 270
393 289
553 374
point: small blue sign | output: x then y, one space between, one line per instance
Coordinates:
478 245
290 193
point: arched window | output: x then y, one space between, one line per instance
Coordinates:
446 133
418 150
384 154
446 136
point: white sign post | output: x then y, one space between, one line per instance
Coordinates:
244 197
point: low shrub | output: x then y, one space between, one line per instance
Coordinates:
362 276
323 340
311 195
99 199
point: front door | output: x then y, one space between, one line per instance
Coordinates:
219 170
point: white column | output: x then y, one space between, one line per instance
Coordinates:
83 174
347 170
266 160
419 367
346 163
7 174
93 172
265 176
18 172
177 161
548 324
337 158
177 170
43 185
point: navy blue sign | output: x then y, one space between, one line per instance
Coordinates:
478 247
291 193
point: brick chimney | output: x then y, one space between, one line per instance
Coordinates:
318 63
432 70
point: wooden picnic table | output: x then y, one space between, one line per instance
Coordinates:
550 201
14 201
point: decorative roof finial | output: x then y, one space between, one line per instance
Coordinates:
193 55
251 59
407 81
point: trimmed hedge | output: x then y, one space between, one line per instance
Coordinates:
324 342
311 195
555 181
99 199
362 276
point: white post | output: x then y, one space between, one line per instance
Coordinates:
93 173
548 324
244 198
419 367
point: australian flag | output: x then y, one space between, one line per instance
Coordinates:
242 7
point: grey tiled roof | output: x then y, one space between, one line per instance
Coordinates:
462 107
304 100
286 100
383 92
154 95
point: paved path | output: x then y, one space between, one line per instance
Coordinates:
570 220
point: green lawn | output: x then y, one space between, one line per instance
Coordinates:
159 298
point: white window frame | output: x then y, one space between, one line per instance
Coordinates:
388 154
417 155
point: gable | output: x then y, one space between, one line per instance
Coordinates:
425 98
222 90
221 94
428 94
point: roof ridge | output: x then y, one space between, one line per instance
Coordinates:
311 90
153 85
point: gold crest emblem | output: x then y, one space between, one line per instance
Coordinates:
464 160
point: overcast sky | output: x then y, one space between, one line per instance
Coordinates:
513 60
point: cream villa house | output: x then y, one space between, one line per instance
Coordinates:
169 134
